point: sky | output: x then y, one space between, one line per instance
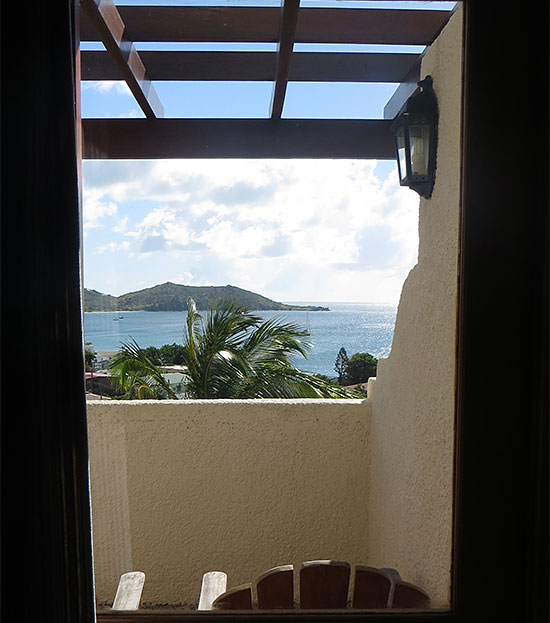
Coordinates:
291 230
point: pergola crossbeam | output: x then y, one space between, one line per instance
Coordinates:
261 24
256 66
406 88
237 138
104 15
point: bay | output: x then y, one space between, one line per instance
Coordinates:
358 327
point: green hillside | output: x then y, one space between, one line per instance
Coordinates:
173 297
96 301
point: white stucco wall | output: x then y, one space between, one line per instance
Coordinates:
182 488
410 458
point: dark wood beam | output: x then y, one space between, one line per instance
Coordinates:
256 66
285 46
104 15
236 138
261 24
407 87
375 26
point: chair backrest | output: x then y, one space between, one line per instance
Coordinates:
408 595
129 591
275 588
324 584
214 583
238 598
373 588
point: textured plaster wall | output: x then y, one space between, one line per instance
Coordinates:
181 488
410 456
110 513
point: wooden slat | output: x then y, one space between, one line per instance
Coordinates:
129 591
350 67
213 584
371 589
104 15
237 138
324 584
408 86
257 66
261 24
394 577
275 588
374 26
285 45
408 595
238 598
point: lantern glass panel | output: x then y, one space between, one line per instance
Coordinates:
401 152
420 149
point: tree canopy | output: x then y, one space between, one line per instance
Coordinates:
359 368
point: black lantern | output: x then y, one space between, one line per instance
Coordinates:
415 131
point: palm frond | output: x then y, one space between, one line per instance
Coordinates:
231 353
136 375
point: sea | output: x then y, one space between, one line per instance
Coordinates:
358 327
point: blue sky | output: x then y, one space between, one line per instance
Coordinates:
292 230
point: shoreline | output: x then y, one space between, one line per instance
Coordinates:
175 311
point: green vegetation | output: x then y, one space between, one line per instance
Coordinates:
232 353
340 364
357 369
169 354
136 377
90 357
173 297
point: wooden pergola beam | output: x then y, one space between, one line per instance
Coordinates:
236 138
406 88
370 26
110 27
256 66
285 46
261 24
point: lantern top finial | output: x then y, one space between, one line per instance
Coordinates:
426 83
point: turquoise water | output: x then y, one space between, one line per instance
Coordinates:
358 327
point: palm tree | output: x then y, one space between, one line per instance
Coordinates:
137 376
232 353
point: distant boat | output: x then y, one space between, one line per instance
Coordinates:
119 318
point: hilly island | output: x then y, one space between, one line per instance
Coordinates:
173 297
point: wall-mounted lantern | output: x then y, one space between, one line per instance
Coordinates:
415 131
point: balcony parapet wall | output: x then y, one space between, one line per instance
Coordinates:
184 487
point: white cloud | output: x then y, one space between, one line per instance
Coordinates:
96 207
113 246
121 225
289 229
120 87
133 113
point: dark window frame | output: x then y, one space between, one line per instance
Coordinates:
500 562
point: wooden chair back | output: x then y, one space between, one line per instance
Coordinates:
129 591
275 588
214 583
324 584
238 598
